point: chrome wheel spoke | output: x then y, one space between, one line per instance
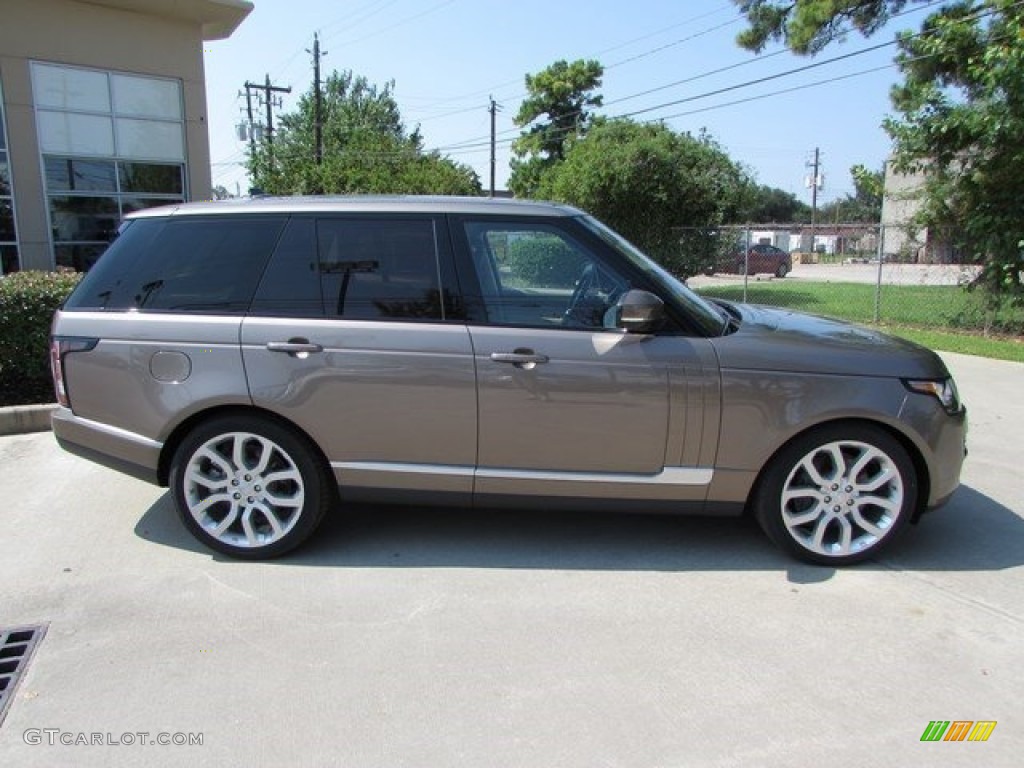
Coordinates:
209 501
211 483
238 451
208 453
812 471
283 501
267 449
888 504
271 518
866 525
876 482
227 522
845 536
802 518
278 477
251 537
818 540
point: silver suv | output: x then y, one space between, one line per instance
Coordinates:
269 358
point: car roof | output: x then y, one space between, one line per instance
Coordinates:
364 204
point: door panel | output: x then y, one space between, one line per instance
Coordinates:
609 415
378 398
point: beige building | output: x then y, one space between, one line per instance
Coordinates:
102 112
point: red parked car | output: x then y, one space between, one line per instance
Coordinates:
760 259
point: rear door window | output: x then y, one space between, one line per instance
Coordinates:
380 268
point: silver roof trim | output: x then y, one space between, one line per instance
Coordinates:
364 203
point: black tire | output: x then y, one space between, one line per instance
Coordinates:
782 270
276 498
812 524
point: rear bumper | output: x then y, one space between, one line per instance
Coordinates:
112 447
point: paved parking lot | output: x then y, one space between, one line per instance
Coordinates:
892 274
415 637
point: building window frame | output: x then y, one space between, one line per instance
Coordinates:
74 251
6 246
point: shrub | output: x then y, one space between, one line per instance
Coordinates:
544 261
27 303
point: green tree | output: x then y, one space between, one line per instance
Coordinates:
771 204
960 109
562 92
864 205
665 191
367 148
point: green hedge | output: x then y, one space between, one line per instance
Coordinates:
27 303
544 262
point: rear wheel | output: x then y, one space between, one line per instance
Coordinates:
837 495
782 270
249 487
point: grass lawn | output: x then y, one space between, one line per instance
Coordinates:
941 317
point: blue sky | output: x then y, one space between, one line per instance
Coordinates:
447 56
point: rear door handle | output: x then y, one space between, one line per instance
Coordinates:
526 359
296 347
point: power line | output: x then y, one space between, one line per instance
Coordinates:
475 142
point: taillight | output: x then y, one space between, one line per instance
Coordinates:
60 346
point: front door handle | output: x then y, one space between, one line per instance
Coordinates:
296 347
526 359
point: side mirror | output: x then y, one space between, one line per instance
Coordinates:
639 312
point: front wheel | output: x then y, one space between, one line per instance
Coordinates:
837 495
782 270
249 487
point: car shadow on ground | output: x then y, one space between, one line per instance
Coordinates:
972 533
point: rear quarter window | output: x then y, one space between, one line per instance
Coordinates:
209 264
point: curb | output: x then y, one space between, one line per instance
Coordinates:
21 419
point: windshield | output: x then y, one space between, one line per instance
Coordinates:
711 320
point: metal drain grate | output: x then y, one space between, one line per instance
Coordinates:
16 647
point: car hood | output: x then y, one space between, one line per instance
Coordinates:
770 339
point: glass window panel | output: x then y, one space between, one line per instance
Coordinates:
65 133
70 174
291 283
9 259
3 137
536 275
202 264
67 88
146 97
80 256
83 218
132 204
152 178
5 175
386 269
150 139
97 289
6 221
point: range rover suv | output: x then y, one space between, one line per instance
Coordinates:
269 359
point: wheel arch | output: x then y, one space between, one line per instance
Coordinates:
913 451
181 431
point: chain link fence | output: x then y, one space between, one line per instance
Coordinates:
867 273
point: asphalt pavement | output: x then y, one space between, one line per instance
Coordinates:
420 637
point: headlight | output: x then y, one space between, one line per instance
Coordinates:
944 390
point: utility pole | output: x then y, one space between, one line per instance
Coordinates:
318 126
269 101
493 109
815 183
252 128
